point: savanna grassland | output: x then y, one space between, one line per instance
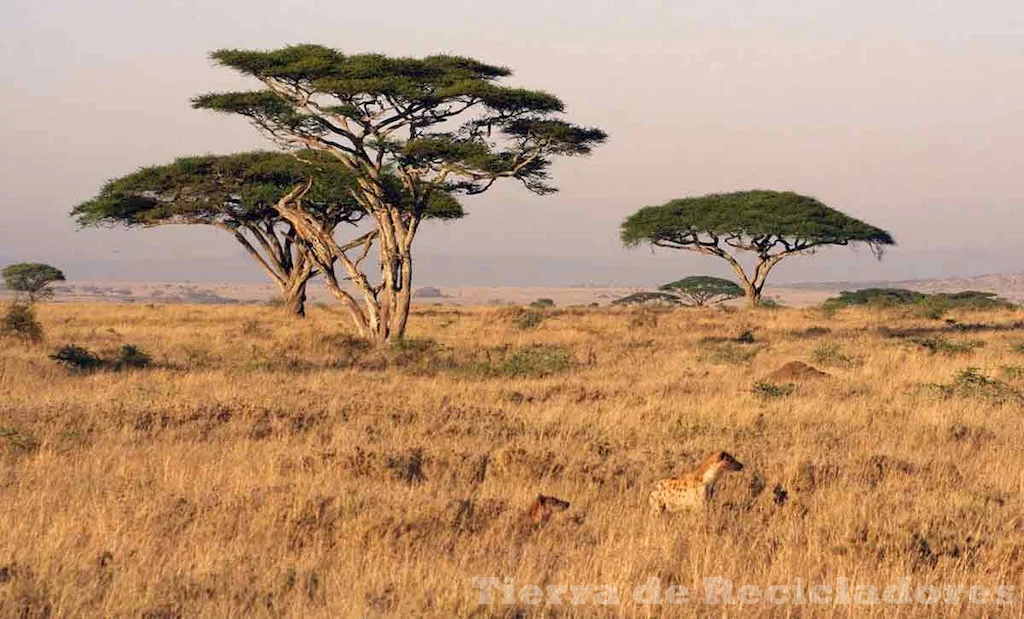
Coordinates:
262 466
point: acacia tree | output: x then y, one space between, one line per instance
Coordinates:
33 279
701 290
242 194
770 224
441 125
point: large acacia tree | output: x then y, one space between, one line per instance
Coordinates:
439 125
242 194
771 225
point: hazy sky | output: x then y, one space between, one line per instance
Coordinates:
909 115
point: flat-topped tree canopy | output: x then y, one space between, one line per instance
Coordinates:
759 219
439 124
443 116
770 224
242 193
699 290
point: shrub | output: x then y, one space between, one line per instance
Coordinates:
1013 372
972 383
730 353
875 297
19 322
766 389
543 303
831 355
647 298
77 358
428 292
935 345
527 319
17 441
131 357
535 361
927 305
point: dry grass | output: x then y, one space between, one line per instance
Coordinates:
266 467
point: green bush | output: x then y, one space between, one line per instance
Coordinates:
543 303
528 319
831 355
928 305
971 383
19 322
730 353
534 361
131 357
771 390
938 345
77 358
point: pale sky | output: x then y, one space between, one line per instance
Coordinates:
909 115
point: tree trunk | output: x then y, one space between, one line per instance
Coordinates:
753 296
295 300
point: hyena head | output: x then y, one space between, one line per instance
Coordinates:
727 462
546 506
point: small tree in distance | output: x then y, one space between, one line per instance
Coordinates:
769 224
32 279
701 290
647 298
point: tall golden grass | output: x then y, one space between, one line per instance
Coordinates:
268 467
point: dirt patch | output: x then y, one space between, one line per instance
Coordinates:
797 370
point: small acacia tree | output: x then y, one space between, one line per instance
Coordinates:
242 194
32 279
701 290
440 125
769 224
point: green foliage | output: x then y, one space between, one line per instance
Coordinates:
442 126
647 298
235 190
465 122
1013 372
527 319
972 383
18 442
700 290
770 303
876 297
938 345
928 305
533 361
832 356
77 358
31 278
767 218
771 390
542 303
730 353
769 224
130 357
19 322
